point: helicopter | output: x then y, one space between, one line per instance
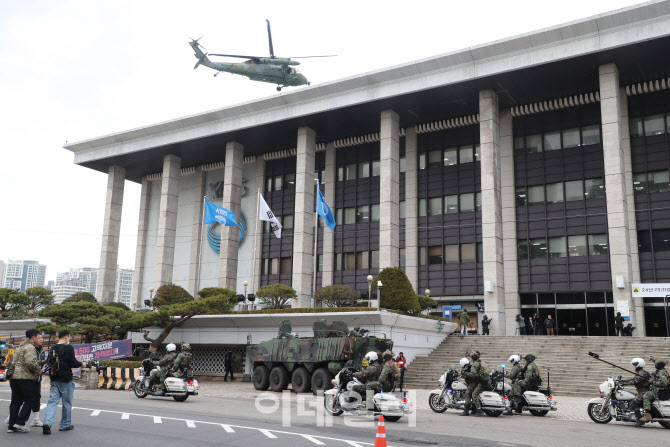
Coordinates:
273 69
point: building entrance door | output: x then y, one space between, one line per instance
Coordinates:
571 321
657 317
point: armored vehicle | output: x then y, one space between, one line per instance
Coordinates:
310 363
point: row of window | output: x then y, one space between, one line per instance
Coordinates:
451 204
562 247
651 182
357 261
656 240
286 222
450 254
353 171
559 139
279 182
650 125
359 214
277 266
561 192
449 156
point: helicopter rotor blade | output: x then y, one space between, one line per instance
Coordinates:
308 57
272 51
240 56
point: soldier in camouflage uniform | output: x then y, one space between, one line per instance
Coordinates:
530 376
158 375
642 381
477 378
3 352
660 381
515 374
389 371
369 377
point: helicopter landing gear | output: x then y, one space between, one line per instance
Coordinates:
309 83
278 88
216 74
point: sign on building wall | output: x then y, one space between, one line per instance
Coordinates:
108 350
658 290
624 308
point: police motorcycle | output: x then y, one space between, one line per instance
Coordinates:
451 394
179 388
342 398
615 402
536 401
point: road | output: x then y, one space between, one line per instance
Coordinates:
113 418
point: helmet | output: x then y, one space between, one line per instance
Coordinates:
530 358
185 347
475 355
638 362
660 363
171 347
514 359
371 356
388 355
464 362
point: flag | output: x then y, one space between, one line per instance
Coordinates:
217 214
323 210
267 215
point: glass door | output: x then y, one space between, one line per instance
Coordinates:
571 321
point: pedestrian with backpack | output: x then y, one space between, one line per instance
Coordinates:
61 360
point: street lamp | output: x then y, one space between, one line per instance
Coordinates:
370 278
379 295
427 293
245 284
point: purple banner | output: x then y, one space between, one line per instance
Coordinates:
108 350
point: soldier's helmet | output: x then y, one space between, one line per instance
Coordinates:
638 362
475 355
464 362
660 363
513 359
388 355
185 347
530 358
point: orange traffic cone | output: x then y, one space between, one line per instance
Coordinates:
380 440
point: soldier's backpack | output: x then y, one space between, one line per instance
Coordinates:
534 380
182 361
55 363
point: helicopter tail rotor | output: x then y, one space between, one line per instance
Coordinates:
199 54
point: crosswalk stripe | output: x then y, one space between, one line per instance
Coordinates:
43 406
353 444
313 439
125 416
267 433
190 424
157 420
95 413
227 428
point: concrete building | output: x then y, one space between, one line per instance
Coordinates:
124 286
527 175
2 273
65 290
23 275
86 277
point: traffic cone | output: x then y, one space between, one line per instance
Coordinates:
380 440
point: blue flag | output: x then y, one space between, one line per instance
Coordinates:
323 210
217 214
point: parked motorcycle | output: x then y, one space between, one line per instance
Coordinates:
536 402
179 388
451 394
615 402
342 398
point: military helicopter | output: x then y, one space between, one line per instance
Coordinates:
273 69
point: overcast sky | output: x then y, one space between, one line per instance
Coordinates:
72 70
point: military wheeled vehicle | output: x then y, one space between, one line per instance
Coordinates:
310 363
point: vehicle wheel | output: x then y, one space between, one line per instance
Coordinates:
140 389
331 405
279 379
321 380
437 405
492 413
261 378
180 398
594 414
664 424
301 381
392 418
539 413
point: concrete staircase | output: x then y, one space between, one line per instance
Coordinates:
573 371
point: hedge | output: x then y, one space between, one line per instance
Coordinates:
119 364
305 310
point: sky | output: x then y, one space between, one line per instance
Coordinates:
77 69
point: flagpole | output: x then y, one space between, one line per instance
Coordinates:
202 225
315 253
258 217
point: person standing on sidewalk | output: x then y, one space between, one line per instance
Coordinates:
228 365
62 360
618 324
26 371
549 325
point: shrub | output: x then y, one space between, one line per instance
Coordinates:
118 305
397 292
214 291
80 296
304 310
275 295
337 295
120 364
168 294
426 303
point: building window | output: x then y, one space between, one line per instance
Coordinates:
478 201
557 247
363 214
521 198
376 168
422 207
287 221
266 226
338 216
319 263
374 258
268 184
534 143
338 261
537 248
350 172
403 164
423 256
640 183
349 261
465 154
349 216
435 255
450 156
591 134
434 159
422 161
535 194
643 241
519 144
451 204
571 138
451 254
362 260
402 210
594 188
654 125
434 206
265 266
658 181
552 141
274 266
403 259
468 253
374 212
636 129
661 240
286 265
574 190
477 152
577 245
597 244
289 181
555 192
480 252
467 202
278 182
364 170
340 173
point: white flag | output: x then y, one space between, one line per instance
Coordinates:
266 214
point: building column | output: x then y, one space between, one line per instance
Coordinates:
508 206
303 221
232 199
167 220
258 228
111 231
613 111
198 194
389 190
329 236
492 241
140 251
411 209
